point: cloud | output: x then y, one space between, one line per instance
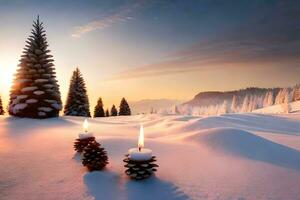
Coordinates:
122 14
220 54
269 37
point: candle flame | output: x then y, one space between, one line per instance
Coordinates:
85 125
141 138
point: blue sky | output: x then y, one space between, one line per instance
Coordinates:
161 49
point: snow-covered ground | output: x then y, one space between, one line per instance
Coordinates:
280 108
233 156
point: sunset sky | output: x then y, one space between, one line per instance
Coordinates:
158 48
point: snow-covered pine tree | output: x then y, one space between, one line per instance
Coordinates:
35 92
77 101
113 111
245 106
296 93
1 107
151 110
124 108
234 104
106 113
265 101
225 108
269 99
176 111
99 111
281 96
254 103
286 104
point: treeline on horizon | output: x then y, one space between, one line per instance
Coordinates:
240 101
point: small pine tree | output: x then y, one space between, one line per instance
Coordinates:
151 110
295 93
35 92
286 104
268 99
245 106
224 108
1 107
234 104
124 108
255 103
113 111
106 113
281 96
176 111
77 102
99 111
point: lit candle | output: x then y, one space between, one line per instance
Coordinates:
140 153
85 134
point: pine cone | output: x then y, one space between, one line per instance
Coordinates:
139 170
80 144
94 156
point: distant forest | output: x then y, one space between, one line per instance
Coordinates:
243 100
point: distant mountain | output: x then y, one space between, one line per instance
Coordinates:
154 105
216 97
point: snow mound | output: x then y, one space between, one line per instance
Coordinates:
250 122
243 143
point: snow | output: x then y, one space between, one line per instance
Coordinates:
279 108
28 89
50 101
39 92
41 80
56 106
23 80
232 156
85 135
45 109
31 101
18 107
41 113
22 96
48 85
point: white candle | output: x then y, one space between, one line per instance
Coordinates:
85 134
140 153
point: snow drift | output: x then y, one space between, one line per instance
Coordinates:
243 143
236 156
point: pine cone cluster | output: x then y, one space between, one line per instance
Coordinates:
139 170
80 144
94 156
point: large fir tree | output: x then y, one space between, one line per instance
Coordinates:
77 101
124 108
35 92
99 111
1 107
113 111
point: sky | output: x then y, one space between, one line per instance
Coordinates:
153 49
